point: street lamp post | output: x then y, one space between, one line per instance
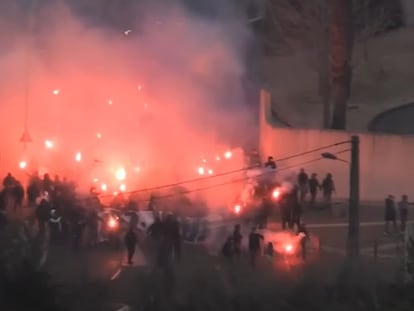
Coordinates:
353 214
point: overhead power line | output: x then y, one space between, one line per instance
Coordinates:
229 182
172 185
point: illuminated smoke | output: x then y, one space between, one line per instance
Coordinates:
158 92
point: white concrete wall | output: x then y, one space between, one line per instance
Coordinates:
386 161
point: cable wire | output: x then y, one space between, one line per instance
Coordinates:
148 189
230 182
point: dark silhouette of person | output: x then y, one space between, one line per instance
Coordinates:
304 237
303 182
237 241
255 240
42 214
270 251
403 211
314 186
295 208
9 181
33 192
130 243
18 194
270 163
390 213
285 212
228 249
328 188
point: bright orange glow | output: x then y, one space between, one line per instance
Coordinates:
78 157
98 135
110 102
210 172
289 248
276 193
122 188
23 164
104 187
237 209
228 154
56 92
120 174
49 144
112 223
217 158
95 180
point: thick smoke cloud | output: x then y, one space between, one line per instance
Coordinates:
154 96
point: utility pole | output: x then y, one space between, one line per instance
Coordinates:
353 215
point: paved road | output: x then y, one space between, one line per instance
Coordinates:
395 121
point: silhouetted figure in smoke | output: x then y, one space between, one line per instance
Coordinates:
33 192
255 240
55 227
237 241
42 214
264 212
228 249
9 181
47 184
285 212
390 213
403 211
269 251
303 181
270 163
130 243
18 195
304 237
328 188
3 210
172 231
314 186
78 226
295 208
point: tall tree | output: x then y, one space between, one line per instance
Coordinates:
342 38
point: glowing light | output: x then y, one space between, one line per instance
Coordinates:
78 157
228 154
139 88
289 248
237 209
112 223
56 92
137 169
276 193
210 172
201 170
127 32
204 161
218 158
115 193
23 164
49 144
110 102
95 180
122 188
120 174
98 135
104 187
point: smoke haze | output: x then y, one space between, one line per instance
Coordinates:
154 97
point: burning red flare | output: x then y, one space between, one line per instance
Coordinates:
237 209
112 223
289 248
276 193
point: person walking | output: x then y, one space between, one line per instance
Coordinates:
130 243
403 211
